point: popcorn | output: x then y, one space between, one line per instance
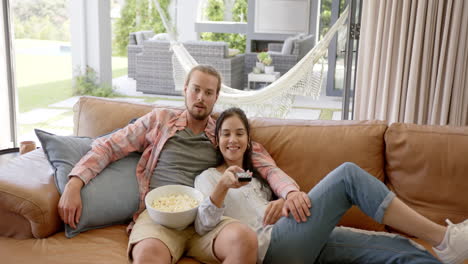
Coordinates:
174 203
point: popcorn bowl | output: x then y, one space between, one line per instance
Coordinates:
176 220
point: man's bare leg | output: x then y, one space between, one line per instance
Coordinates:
236 243
151 250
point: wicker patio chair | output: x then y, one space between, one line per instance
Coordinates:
154 71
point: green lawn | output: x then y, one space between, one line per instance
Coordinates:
43 78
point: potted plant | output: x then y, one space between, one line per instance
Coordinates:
269 69
261 56
265 60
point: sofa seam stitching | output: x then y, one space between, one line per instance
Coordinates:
29 201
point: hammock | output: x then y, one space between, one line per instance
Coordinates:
274 100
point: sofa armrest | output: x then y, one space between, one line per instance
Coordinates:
132 51
28 197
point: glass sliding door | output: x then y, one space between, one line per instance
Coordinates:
342 53
7 90
336 53
352 49
43 66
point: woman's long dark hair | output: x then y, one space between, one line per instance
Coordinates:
247 159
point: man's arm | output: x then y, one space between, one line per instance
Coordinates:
296 202
104 151
279 181
70 205
121 143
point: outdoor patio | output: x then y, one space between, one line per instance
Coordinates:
58 117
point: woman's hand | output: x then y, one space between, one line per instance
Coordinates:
229 178
273 212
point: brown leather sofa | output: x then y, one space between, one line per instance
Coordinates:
426 166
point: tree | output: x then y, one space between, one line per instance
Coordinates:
325 14
41 19
149 19
215 12
240 11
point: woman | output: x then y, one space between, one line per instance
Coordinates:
282 240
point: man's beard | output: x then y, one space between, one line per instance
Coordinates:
195 115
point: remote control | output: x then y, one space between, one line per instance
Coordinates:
243 176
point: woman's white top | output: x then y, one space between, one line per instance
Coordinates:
247 204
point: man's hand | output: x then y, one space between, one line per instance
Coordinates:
273 212
70 206
298 203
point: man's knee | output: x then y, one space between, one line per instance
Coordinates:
151 250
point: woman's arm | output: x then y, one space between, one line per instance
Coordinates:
209 214
215 190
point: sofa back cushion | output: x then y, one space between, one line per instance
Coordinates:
141 36
427 168
309 150
218 49
94 116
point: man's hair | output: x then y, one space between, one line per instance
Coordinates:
208 70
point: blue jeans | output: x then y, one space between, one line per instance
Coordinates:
319 241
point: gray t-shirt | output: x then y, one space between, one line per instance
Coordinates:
183 157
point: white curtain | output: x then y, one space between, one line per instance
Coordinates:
413 62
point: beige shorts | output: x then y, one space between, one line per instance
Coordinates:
198 247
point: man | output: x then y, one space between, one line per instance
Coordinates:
178 145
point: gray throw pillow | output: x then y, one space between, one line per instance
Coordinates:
305 45
110 198
288 45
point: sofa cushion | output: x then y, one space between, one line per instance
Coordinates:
95 116
427 168
289 44
161 36
309 150
110 198
305 45
106 245
141 36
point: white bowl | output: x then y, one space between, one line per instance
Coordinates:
177 220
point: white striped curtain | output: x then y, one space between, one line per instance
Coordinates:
413 62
